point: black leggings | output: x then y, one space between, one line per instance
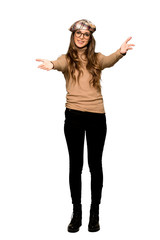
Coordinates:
75 126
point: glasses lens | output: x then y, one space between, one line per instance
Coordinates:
86 35
78 33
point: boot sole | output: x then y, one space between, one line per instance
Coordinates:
73 231
93 230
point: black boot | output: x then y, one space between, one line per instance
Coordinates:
76 220
93 225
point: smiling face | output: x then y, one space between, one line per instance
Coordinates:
81 38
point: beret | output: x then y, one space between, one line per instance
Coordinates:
83 24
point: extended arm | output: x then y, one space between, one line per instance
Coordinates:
109 61
60 64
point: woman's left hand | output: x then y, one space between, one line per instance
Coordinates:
125 46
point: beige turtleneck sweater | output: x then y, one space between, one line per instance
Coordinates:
82 96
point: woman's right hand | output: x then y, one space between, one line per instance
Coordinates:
46 65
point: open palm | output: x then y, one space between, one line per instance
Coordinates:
46 65
125 46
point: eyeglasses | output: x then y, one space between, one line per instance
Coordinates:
86 35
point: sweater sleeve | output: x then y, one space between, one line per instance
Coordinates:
109 61
60 64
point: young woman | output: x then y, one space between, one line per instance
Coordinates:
84 113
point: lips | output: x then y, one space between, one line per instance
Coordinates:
81 42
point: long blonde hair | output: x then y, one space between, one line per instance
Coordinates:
92 64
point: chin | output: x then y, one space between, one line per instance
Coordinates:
80 45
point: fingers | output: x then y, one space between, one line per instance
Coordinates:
40 60
43 67
128 39
129 46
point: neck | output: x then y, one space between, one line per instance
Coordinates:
81 50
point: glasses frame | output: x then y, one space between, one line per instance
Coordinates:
82 34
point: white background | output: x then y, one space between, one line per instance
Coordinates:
34 190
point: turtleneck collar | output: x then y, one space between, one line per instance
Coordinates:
81 51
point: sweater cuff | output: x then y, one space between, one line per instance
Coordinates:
123 54
53 64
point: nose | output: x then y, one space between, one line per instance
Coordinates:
82 36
